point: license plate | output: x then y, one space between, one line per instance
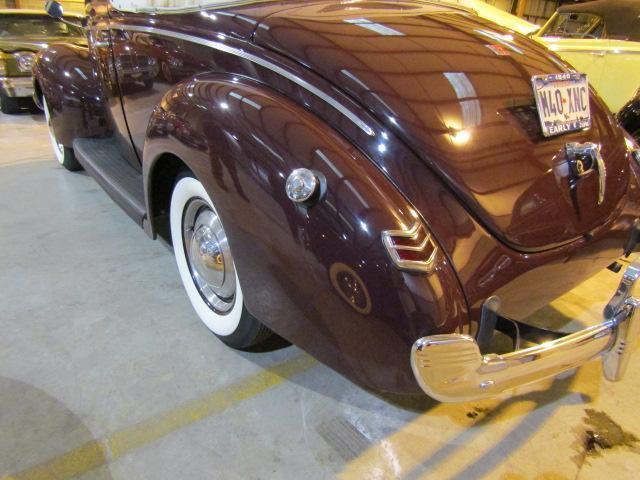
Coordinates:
563 102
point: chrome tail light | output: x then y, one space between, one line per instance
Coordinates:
413 249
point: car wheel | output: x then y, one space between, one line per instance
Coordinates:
207 268
9 104
64 155
148 83
34 108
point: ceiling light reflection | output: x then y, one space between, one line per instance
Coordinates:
460 137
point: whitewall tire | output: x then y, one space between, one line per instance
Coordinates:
63 154
207 268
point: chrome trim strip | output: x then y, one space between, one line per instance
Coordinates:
602 173
255 59
596 52
210 6
186 9
417 248
17 86
21 81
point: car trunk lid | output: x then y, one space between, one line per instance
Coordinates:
457 90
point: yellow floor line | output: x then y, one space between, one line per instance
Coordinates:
98 452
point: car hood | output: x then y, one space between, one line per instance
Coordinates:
20 44
457 90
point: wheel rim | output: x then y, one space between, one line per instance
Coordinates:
58 148
209 256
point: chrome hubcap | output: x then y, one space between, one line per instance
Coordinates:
209 256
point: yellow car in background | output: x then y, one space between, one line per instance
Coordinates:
601 39
498 16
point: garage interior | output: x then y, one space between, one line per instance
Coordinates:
102 376
107 373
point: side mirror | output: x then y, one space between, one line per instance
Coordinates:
54 9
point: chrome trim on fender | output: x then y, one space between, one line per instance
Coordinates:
450 368
255 59
394 250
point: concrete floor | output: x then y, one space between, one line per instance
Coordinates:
105 371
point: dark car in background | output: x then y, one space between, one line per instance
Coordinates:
629 116
22 34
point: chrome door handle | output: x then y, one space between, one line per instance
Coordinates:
598 54
585 157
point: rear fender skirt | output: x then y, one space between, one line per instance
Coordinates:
319 276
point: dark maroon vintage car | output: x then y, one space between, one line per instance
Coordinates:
386 184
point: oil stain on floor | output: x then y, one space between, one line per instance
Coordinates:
603 433
598 435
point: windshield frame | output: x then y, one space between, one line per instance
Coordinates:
544 31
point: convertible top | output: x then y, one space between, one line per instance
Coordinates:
621 17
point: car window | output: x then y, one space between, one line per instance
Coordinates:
575 25
634 32
30 26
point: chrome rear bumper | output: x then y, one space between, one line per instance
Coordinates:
16 86
450 368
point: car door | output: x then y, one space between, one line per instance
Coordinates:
137 67
576 37
622 77
585 55
101 46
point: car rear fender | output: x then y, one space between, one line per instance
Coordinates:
65 77
318 276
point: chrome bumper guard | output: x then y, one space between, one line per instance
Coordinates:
450 368
16 86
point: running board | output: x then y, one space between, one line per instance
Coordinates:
103 161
